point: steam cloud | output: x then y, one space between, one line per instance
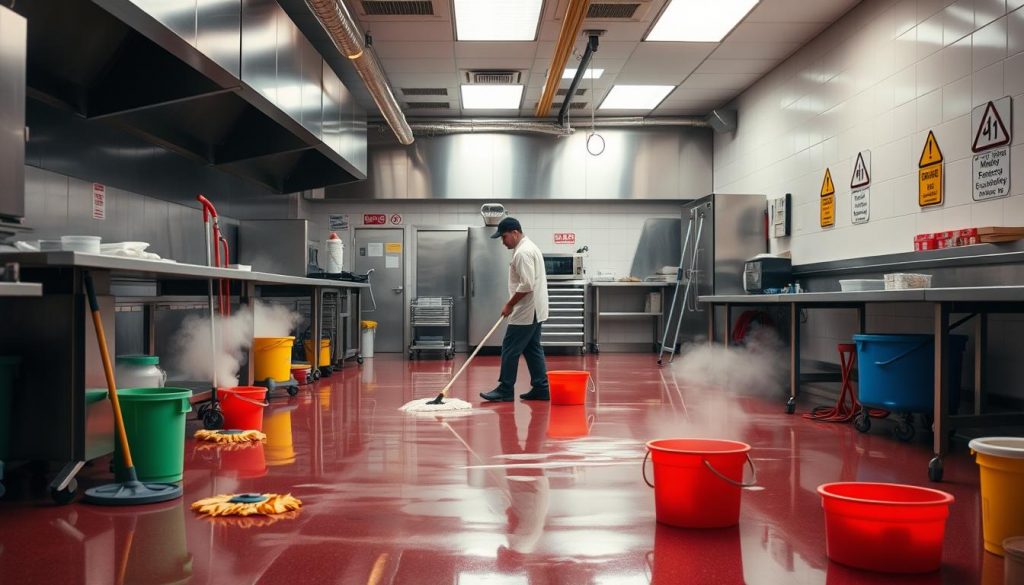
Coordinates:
192 344
758 367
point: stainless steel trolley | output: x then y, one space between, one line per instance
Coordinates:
433 326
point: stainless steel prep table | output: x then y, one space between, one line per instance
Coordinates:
659 315
979 301
51 418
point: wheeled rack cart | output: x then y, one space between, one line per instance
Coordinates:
434 313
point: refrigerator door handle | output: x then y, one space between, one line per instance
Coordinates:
464 285
472 285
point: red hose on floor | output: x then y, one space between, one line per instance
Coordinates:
847 407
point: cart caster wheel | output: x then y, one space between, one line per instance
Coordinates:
202 410
293 390
935 469
359 360
904 432
316 374
65 496
213 419
327 371
862 423
791 405
448 355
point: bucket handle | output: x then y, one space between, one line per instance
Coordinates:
280 341
903 355
753 473
592 384
186 405
264 403
739 484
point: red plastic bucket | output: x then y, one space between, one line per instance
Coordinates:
885 527
698 481
243 407
568 387
300 373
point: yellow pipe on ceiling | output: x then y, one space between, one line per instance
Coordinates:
575 13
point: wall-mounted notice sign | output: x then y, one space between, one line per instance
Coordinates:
929 173
992 133
375 219
860 194
565 237
828 201
99 201
338 223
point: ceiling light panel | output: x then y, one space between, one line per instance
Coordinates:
635 97
491 97
588 74
497 20
699 20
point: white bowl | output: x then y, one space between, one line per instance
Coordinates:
88 244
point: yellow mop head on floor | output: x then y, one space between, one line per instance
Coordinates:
246 504
229 436
250 521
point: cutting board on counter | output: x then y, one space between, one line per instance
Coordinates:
1000 234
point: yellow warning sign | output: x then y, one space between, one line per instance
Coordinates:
929 185
930 154
393 248
828 210
827 187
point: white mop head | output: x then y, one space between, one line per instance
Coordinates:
422 406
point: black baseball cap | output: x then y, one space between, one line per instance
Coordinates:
509 224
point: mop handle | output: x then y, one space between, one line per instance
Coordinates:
472 355
108 370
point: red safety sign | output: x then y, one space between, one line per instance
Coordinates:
375 219
565 238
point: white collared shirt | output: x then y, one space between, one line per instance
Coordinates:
526 275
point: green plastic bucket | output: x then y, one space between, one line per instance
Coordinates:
154 419
8 371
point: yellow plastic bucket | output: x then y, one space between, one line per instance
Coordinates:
273 357
1001 461
325 352
279 449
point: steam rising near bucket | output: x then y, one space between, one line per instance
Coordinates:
192 342
759 367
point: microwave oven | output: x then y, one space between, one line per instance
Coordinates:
563 266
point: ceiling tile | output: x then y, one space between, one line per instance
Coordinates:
619 31
701 94
777 50
411 31
824 11
768 32
418 66
663 63
496 50
759 66
413 50
496 64
720 81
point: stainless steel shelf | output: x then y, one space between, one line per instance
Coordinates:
628 314
20 289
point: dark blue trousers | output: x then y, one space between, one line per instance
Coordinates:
522 340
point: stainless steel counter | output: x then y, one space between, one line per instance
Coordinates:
20 289
616 283
976 302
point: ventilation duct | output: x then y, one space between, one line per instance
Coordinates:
347 37
442 126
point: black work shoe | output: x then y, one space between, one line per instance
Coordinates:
497 396
536 394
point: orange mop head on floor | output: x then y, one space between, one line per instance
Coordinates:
229 436
247 505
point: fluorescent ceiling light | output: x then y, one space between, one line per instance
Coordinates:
588 74
635 97
491 97
497 20
699 20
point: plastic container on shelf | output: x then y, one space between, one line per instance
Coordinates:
335 254
50 246
906 280
88 244
139 371
861 284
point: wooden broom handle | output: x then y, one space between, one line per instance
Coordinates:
108 370
444 391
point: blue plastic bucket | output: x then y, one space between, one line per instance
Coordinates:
897 372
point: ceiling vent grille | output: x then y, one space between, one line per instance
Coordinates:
494 77
565 91
424 91
428 105
398 7
572 106
619 10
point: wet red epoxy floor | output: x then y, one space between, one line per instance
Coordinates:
511 493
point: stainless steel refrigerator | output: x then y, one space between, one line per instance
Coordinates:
488 285
733 231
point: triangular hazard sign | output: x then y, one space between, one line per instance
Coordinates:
827 188
991 132
930 154
861 178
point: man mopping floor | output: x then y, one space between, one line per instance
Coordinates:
526 310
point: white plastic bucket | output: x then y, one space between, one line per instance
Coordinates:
368 335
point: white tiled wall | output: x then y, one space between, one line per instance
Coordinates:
880 78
